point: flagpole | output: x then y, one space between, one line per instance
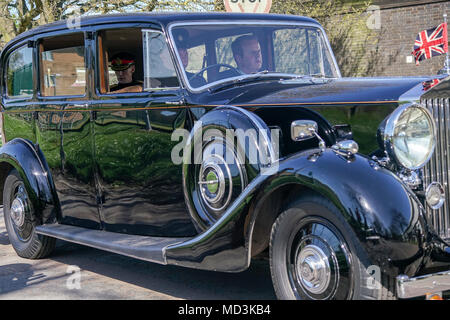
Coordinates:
446 54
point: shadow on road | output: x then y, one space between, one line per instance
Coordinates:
178 282
4 238
17 276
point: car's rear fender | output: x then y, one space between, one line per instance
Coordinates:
28 160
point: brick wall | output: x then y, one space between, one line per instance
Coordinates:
401 21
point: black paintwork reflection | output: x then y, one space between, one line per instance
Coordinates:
363 119
372 200
18 125
306 92
64 137
141 187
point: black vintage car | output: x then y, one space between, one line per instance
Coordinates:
235 135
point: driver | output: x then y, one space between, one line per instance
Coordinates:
247 54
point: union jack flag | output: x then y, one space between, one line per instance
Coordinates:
430 43
427 85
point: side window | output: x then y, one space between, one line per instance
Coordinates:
120 60
62 65
159 71
19 73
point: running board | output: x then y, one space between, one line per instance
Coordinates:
140 247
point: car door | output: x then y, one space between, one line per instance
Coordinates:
63 125
140 187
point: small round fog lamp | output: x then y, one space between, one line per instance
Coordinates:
435 195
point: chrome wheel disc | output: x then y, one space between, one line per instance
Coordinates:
212 183
319 263
313 269
221 177
18 212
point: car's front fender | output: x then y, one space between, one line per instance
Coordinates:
385 215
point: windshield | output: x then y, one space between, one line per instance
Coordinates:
217 52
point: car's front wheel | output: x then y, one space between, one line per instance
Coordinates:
20 220
315 255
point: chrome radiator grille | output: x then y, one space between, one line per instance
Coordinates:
438 168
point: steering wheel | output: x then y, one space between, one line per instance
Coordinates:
217 65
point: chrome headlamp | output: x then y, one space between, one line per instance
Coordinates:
408 135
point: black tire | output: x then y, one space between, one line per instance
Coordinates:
25 241
314 255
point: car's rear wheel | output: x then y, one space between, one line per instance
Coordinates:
315 255
20 220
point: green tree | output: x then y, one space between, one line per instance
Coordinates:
17 16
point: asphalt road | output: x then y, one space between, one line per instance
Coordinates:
78 272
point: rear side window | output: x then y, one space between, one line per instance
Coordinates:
19 74
63 66
120 60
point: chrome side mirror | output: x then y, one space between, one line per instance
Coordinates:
302 130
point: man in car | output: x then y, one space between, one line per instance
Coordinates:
247 54
124 65
196 81
182 40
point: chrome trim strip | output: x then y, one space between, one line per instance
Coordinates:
446 184
241 22
423 285
438 168
444 155
438 165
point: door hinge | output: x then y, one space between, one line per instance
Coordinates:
90 35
